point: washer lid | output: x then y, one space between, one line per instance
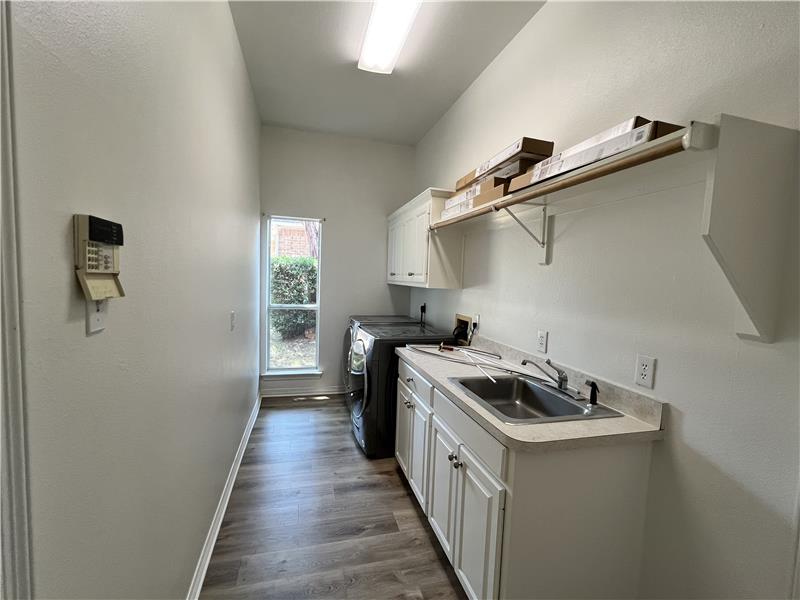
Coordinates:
403 331
382 319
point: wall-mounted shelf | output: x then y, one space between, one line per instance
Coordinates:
750 170
698 136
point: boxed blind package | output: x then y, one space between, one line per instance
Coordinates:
474 190
523 149
624 136
487 193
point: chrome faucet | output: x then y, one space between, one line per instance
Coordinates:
561 381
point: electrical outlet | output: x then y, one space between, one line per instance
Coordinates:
645 370
541 341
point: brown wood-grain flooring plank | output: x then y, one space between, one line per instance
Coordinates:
311 517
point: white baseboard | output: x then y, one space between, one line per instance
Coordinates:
273 391
216 521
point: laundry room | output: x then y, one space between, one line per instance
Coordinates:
399 299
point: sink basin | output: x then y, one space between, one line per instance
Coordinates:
515 399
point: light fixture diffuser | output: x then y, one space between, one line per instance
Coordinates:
388 28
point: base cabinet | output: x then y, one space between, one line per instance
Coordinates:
411 445
402 451
462 499
442 485
479 525
513 522
420 420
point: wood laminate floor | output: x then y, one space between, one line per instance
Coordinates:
311 517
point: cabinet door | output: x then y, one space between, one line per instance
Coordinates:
402 444
418 462
442 485
392 262
479 521
419 265
409 244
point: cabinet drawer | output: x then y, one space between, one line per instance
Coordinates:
416 383
491 452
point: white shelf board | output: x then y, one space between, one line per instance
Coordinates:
750 170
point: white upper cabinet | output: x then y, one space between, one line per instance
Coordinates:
394 246
417 256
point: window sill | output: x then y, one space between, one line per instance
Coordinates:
293 374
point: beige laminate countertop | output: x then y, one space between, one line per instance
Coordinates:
528 437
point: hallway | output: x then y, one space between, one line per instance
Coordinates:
310 517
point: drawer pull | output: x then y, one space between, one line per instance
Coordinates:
409 379
457 465
451 457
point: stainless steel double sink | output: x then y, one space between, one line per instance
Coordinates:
515 399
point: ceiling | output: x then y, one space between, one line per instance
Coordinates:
302 59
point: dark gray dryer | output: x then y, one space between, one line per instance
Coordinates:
370 379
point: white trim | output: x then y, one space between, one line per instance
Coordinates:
222 505
263 245
794 584
293 374
272 391
266 305
17 581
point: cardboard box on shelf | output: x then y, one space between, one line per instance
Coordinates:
588 155
489 196
524 148
512 170
476 189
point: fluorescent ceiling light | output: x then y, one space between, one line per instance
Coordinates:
387 31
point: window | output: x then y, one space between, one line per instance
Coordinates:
293 275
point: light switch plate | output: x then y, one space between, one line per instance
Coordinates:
541 341
645 370
96 316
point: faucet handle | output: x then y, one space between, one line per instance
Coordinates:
562 375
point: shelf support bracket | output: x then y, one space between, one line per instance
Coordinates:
543 239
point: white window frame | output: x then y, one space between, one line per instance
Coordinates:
268 305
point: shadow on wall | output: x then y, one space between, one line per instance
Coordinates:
76 301
704 528
398 296
706 534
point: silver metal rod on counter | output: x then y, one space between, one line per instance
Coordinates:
469 356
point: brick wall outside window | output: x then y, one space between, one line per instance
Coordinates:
292 241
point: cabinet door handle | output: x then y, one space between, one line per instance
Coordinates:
409 379
451 457
392 274
457 465
410 273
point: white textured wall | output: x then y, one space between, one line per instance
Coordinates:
636 276
143 114
354 184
